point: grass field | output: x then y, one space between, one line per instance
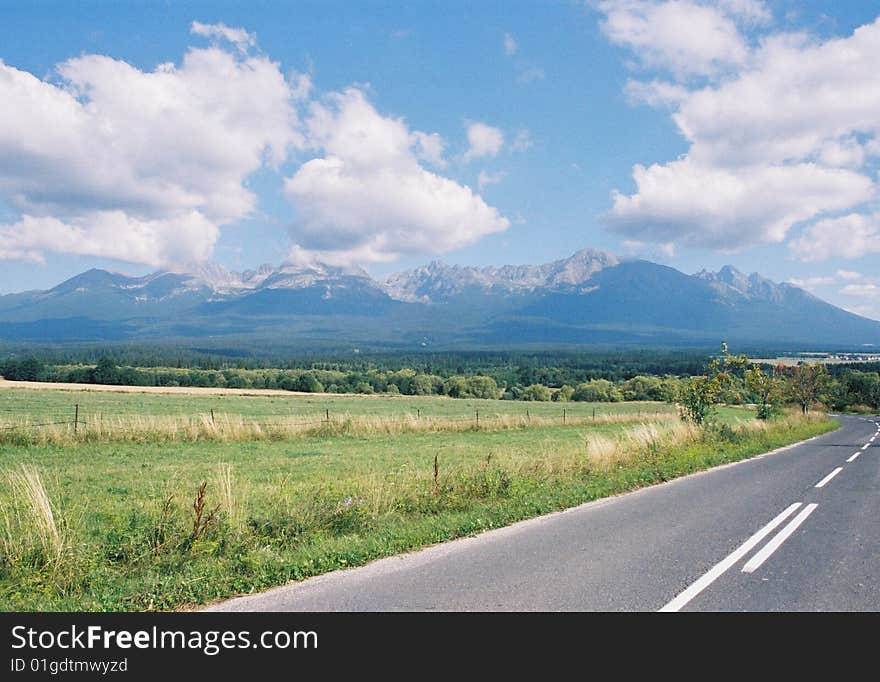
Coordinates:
54 404
123 524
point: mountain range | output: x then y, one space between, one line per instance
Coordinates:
590 298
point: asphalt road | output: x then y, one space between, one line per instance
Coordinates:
786 531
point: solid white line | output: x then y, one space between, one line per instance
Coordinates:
821 484
718 569
853 457
768 549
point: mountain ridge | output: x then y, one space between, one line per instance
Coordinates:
589 297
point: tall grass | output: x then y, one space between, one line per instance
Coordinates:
230 428
31 533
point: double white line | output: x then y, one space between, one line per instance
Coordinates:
721 567
765 552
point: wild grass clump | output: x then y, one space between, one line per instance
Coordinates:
34 541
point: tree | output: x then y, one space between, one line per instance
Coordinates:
767 389
483 387
563 395
699 396
308 383
806 382
106 372
537 392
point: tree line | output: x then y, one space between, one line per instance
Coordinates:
726 378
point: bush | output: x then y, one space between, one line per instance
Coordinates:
536 392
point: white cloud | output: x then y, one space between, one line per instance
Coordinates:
112 234
655 93
143 166
849 275
783 137
850 236
510 46
715 207
687 38
861 290
485 179
429 148
637 249
483 140
237 36
811 283
754 12
369 199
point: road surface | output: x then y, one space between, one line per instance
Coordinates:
797 529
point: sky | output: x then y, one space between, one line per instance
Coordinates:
137 136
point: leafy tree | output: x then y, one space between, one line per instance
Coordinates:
424 384
482 387
563 395
699 396
597 391
106 372
767 389
308 383
456 387
536 392
806 382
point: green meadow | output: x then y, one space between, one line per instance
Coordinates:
112 523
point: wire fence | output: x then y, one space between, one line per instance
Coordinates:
77 416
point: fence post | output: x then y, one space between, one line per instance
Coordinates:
212 415
327 415
528 416
594 414
477 415
563 415
418 413
76 417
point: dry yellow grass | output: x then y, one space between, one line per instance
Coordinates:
228 427
35 517
186 390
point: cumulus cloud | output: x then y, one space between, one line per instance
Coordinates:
783 139
686 37
368 198
850 236
719 208
112 234
483 140
145 166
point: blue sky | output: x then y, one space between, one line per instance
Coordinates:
389 134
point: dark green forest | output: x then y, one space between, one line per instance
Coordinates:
600 376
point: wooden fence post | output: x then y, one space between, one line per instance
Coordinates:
76 417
